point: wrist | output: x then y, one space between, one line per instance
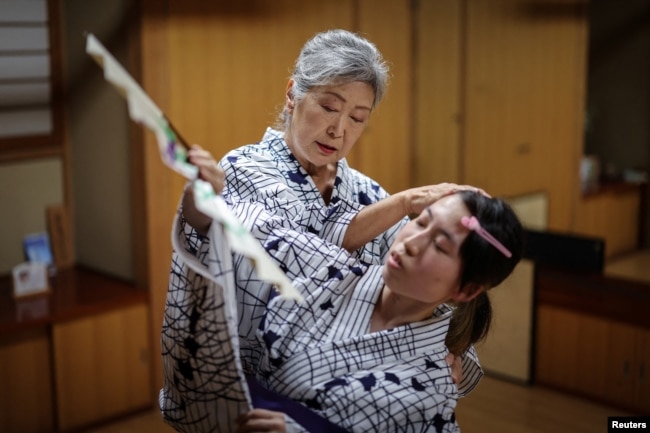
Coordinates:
406 201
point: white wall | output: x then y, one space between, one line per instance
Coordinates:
26 189
98 129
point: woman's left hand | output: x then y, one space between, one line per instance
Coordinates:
421 197
262 420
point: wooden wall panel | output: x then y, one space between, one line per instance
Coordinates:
229 64
110 376
24 373
437 93
525 75
613 216
385 150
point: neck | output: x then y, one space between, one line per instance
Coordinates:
323 176
392 310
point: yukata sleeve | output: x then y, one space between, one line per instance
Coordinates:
299 254
331 223
472 372
204 385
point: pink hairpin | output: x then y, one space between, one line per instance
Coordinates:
473 224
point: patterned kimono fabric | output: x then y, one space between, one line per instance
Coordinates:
318 353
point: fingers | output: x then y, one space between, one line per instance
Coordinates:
456 367
209 170
472 188
261 420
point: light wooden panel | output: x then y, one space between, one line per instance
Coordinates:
385 150
525 75
613 216
438 77
26 383
101 366
229 64
507 349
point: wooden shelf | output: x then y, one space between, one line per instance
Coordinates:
75 293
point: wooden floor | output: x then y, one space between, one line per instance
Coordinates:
495 406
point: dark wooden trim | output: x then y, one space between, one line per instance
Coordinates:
596 294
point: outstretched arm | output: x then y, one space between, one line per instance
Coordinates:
375 219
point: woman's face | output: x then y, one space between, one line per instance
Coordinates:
327 122
424 262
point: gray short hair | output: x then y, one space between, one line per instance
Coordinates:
338 57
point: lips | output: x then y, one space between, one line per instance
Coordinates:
394 261
328 150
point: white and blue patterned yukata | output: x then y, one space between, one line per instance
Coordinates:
320 353
267 174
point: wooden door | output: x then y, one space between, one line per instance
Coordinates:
438 72
101 366
524 92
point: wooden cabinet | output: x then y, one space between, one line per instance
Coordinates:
26 382
594 357
628 362
101 365
79 356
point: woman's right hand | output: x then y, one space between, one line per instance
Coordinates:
210 172
209 169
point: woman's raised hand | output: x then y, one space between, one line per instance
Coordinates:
421 197
209 170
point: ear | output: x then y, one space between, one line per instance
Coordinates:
289 95
468 292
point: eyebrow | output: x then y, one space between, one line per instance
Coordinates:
445 233
339 96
